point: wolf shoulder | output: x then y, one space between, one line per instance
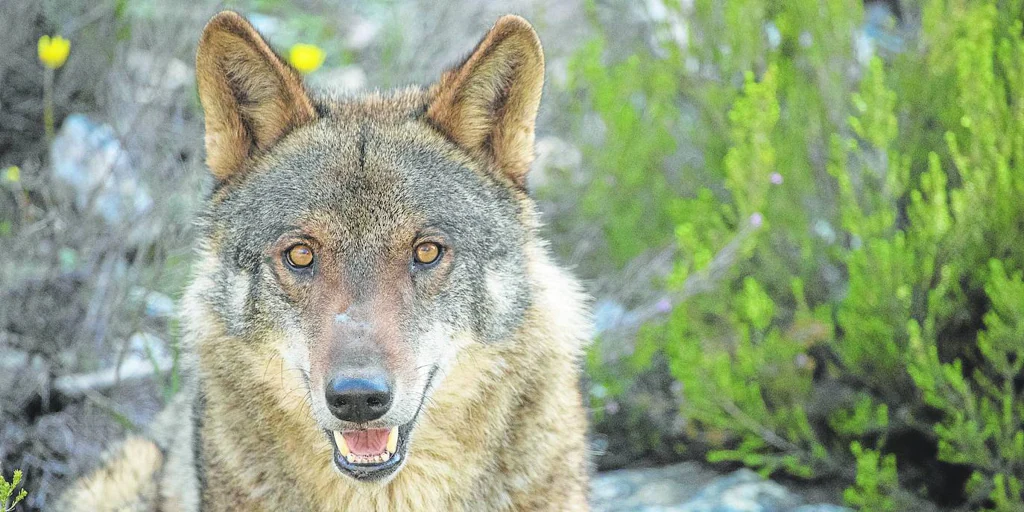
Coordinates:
150 472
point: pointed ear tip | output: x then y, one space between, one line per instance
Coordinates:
517 27
224 21
513 21
514 24
226 17
223 27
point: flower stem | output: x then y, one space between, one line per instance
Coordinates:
48 103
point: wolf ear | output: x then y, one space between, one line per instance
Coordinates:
488 104
250 96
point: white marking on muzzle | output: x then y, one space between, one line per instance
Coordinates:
344 318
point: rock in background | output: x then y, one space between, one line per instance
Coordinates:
689 487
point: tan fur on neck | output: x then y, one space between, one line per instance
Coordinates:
462 451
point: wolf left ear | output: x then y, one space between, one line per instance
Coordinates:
251 97
488 104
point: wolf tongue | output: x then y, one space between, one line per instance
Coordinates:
367 442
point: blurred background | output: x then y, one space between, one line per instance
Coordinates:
801 222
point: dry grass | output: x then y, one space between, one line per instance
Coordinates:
73 285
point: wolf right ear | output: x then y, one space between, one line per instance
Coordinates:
488 105
250 96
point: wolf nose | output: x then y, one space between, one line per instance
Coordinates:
358 399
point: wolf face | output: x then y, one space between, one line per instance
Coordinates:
366 241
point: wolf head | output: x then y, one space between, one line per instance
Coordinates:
365 241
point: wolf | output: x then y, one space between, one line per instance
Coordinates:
373 320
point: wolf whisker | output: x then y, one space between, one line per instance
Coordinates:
274 356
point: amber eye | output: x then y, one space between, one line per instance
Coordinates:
427 253
300 256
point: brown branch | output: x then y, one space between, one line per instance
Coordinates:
133 368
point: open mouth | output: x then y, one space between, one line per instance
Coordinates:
374 446
376 453
370 454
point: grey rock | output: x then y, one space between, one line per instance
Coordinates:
157 305
822 507
156 79
362 33
88 157
648 489
148 346
689 487
742 491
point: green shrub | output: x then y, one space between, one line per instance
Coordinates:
10 495
870 324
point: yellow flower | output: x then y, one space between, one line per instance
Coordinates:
306 58
13 173
53 51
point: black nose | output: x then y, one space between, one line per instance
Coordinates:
358 399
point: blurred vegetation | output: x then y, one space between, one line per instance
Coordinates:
860 184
